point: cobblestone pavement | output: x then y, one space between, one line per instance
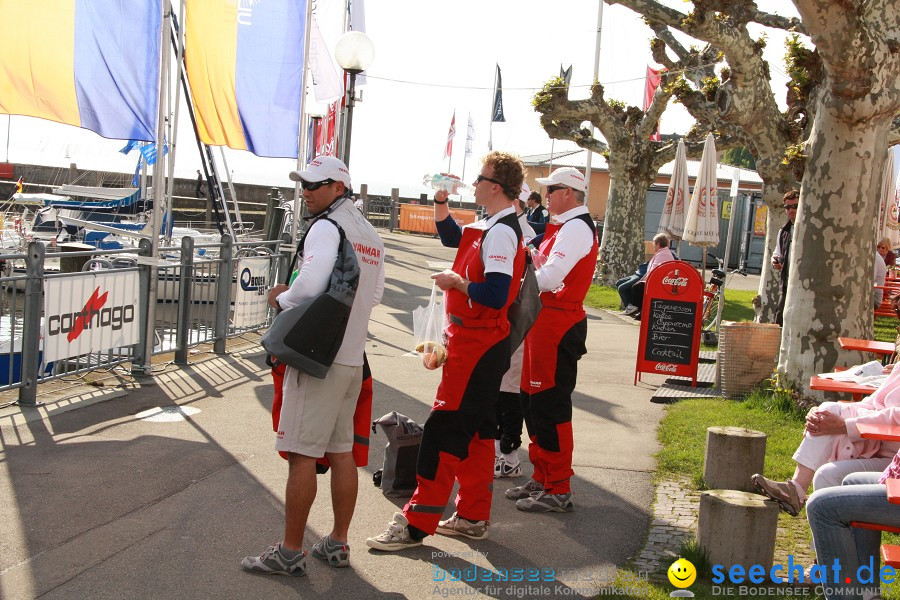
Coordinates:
674 522
675 514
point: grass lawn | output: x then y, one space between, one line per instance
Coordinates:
683 436
737 302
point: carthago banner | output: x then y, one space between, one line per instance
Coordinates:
90 312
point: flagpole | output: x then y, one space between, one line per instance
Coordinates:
588 170
491 120
158 177
179 57
301 147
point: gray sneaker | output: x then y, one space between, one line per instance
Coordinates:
544 502
783 492
456 525
336 553
525 490
272 562
395 537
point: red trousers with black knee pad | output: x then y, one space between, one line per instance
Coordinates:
362 417
458 437
552 349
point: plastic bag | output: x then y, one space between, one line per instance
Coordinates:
428 331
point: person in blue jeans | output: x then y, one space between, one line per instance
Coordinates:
624 285
861 497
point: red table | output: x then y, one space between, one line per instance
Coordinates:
842 387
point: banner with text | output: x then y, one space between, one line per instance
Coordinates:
250 298
91 312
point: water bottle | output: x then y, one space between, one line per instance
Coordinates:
450 183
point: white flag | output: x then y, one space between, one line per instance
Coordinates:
327 80
470 136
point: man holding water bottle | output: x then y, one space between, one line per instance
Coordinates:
458 438
565 265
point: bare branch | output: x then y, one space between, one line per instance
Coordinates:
778 22
654 112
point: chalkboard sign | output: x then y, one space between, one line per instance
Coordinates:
670 331
671 322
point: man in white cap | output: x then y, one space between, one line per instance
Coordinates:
566 261
317 414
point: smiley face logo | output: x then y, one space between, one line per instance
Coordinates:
682 573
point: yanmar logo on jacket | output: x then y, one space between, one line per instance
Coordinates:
90 312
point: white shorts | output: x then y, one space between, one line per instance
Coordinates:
317 414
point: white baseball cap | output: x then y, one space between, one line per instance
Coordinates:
567 176
526 191
321 168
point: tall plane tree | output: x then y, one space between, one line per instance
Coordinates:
633 158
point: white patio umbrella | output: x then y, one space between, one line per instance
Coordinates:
888 224
702 225
672 220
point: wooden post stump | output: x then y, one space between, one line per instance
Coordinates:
733 455
738 528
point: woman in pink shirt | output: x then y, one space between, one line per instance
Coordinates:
832 448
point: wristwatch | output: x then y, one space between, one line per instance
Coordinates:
442 203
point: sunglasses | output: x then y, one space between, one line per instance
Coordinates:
314 185
481 178
790 206
555 188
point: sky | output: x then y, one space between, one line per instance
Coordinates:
431 59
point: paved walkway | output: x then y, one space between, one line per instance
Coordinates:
159 488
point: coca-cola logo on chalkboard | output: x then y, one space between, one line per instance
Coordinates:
674 281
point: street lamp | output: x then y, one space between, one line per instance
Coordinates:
354 53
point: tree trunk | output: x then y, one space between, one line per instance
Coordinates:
769 278
832 254
622 247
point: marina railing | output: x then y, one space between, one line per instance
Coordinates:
196 290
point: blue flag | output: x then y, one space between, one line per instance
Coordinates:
135 181
129 146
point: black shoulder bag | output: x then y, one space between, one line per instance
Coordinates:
308 336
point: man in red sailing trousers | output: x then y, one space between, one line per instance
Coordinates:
565 268
458 440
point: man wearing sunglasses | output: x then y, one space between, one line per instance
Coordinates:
567 258
782 254
317 414
458 440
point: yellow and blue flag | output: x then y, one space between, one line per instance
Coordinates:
245 67
88 63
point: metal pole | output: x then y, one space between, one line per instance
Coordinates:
223 295
185 280
590 155
158 184
349 127
140 364
31 328
173 136
491 119
301 148
735 180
